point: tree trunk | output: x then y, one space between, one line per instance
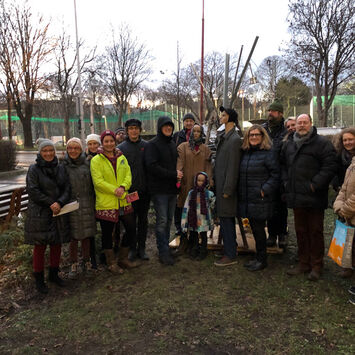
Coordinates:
9 117
27 124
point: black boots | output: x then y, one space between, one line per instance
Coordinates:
40 284
53 276
193 237
202 254
183 244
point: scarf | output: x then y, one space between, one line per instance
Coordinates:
49 168
299 140
192 214
195 143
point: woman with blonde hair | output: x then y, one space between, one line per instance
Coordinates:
259 175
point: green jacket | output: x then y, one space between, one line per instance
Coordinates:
105 181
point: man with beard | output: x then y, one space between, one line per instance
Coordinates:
277 225
308 163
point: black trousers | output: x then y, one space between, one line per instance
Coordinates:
129 237
277 224
258 228
141 208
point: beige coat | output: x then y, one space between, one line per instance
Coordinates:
190 163
344 204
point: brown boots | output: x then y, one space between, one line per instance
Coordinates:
111 263
123 260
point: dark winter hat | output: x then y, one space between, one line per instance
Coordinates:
133 122
107 132
190 116
276 106
233 115
119 129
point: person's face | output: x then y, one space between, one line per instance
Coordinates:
196 131
133 133
108 143
120 136
291 126
274 115
255 137
167 130
189 123
47 153
93 146
349 141
74 150
303 125
201 180
223 118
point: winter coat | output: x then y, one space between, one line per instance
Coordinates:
307 171
343 160
46 185
190 162
344 204
106 181
276 134
180 137
82 221
259 171
160 159
226 173
134 153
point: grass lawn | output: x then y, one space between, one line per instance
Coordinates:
192 307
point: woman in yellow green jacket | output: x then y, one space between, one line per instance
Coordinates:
112 178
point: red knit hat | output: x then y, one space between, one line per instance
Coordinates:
107 132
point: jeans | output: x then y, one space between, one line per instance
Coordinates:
164 206
229 236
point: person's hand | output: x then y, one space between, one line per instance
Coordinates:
262 193
312 188
55 207
119 191
225 196
179 174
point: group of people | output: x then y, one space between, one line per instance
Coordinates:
278 165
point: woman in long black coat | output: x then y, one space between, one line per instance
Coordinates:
259 175
48 190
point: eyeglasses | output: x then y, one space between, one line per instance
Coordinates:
255 135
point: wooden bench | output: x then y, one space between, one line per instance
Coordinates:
13 200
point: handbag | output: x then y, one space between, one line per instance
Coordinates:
340 249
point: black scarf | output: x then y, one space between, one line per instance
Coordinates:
49 168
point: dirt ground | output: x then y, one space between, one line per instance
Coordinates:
191 307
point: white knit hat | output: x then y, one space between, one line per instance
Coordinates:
75 140
93 137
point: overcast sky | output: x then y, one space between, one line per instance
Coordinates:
161 23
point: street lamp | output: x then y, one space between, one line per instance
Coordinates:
260 112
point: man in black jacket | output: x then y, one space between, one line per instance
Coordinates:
133 149
308 165
161 158
277 224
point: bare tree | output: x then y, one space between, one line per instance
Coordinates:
125 67
26 47
322 46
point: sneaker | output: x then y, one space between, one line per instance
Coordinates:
351 290
257 266
225 261
74 271
250 263
352 301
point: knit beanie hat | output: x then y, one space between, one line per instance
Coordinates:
107 132
133 122
276 106
119 129
93 137
44 142
189 116
75 140
233 115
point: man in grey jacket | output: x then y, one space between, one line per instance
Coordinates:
226 180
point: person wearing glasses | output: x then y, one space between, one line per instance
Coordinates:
259 179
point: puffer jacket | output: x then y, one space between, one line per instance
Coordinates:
344 204
259 171
106 181
276 134
160 158
134 153
82 220
46 183
307 171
